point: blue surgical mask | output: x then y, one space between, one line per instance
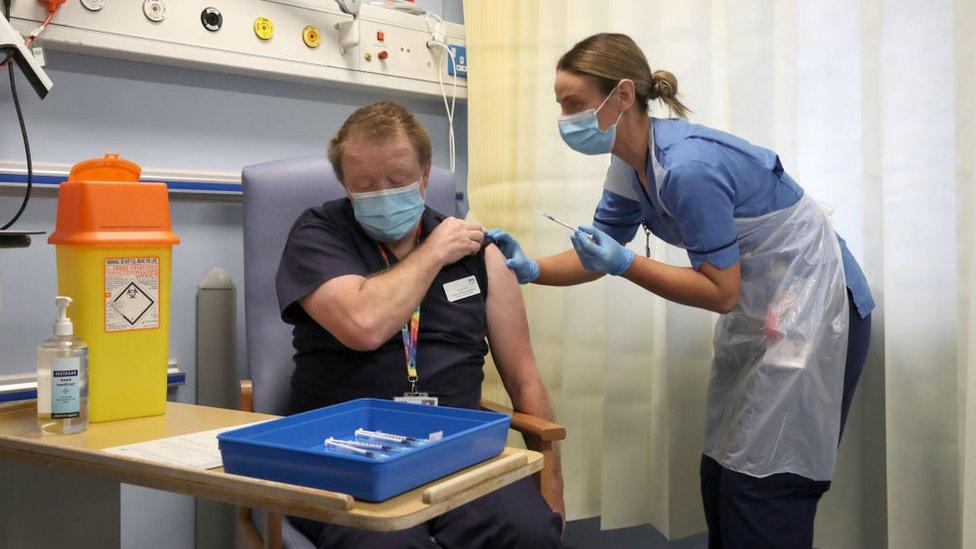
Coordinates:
389 214
581 130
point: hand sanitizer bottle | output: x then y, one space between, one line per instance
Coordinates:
62 378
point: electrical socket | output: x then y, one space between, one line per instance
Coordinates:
457 64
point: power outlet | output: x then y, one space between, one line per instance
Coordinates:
458 63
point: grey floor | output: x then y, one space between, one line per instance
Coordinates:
586 534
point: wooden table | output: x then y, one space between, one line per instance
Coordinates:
67 481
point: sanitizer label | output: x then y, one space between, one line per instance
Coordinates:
131 293
65 388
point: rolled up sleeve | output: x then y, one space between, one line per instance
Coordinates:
315 253
619 213
617 216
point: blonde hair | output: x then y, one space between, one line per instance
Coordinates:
380 121
608 58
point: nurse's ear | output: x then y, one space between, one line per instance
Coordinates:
626 94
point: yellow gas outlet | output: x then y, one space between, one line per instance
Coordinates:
311 36
263 28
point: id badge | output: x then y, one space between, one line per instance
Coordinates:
417 398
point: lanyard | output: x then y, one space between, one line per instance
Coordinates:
411 336
647 241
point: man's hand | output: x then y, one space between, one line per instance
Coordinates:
454 239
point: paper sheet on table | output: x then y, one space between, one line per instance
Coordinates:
197 450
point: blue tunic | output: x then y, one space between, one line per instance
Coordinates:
712 179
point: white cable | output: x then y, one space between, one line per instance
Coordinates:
449 109
437 41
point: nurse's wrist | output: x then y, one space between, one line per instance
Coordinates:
629 256
530 273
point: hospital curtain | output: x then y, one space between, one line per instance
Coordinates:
608 351
965 154
870 105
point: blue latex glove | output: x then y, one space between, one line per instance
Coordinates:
602 253
526 270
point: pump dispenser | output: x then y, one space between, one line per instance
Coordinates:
62 378
63 325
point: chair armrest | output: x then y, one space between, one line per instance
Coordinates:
247 395
545 431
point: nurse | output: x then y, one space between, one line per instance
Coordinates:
795 306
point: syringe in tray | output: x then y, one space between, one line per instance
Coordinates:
363 444
342 445
389 437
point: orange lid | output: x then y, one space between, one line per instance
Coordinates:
103 203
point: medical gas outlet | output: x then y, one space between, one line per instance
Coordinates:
263 28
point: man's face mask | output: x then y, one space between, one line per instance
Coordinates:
389 214
581 130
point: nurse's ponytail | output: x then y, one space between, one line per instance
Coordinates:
664 86
609 58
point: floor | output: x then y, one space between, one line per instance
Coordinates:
586 534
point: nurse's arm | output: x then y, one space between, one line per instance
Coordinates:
564 269
707 288
511 349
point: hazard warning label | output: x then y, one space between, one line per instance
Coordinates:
131 293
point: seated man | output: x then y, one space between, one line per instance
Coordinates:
352 277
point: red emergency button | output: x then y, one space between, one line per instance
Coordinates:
383 55
380 36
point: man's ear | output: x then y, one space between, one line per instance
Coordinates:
424 180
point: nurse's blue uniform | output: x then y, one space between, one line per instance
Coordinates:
773 421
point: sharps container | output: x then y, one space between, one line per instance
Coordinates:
114 247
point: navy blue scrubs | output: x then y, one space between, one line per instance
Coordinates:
327 242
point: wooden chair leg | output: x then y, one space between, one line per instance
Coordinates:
272 538
540 479
246 535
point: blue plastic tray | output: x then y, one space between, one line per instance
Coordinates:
292 449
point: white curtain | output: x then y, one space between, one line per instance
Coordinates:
965 163
870 105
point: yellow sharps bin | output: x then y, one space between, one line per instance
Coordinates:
114 252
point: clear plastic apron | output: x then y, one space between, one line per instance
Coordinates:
774 398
